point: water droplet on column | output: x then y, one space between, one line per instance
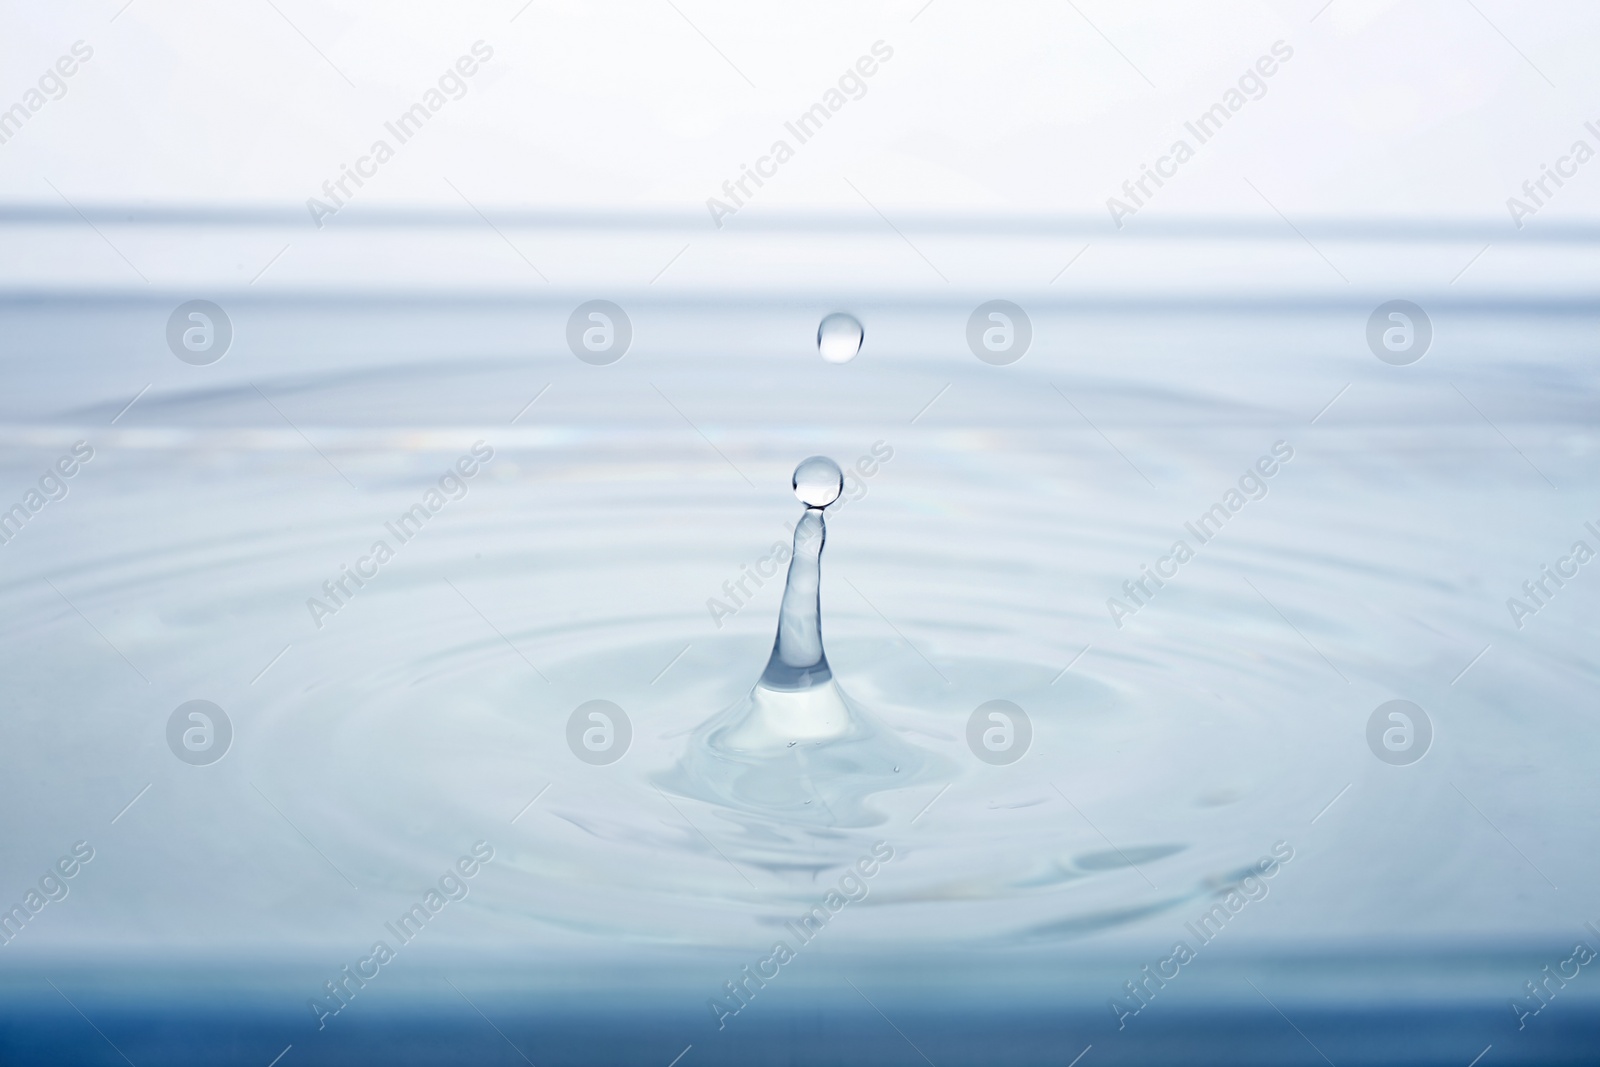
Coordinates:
839 337
818 481
749 757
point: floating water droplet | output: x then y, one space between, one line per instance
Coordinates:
839 337
818 481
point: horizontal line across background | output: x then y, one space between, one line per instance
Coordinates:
402 296
865 224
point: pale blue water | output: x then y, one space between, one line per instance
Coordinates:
591 557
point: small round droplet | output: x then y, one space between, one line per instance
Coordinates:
818 481
839 337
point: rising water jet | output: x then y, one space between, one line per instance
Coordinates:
796 745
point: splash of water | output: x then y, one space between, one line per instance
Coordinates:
796 747
798 661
